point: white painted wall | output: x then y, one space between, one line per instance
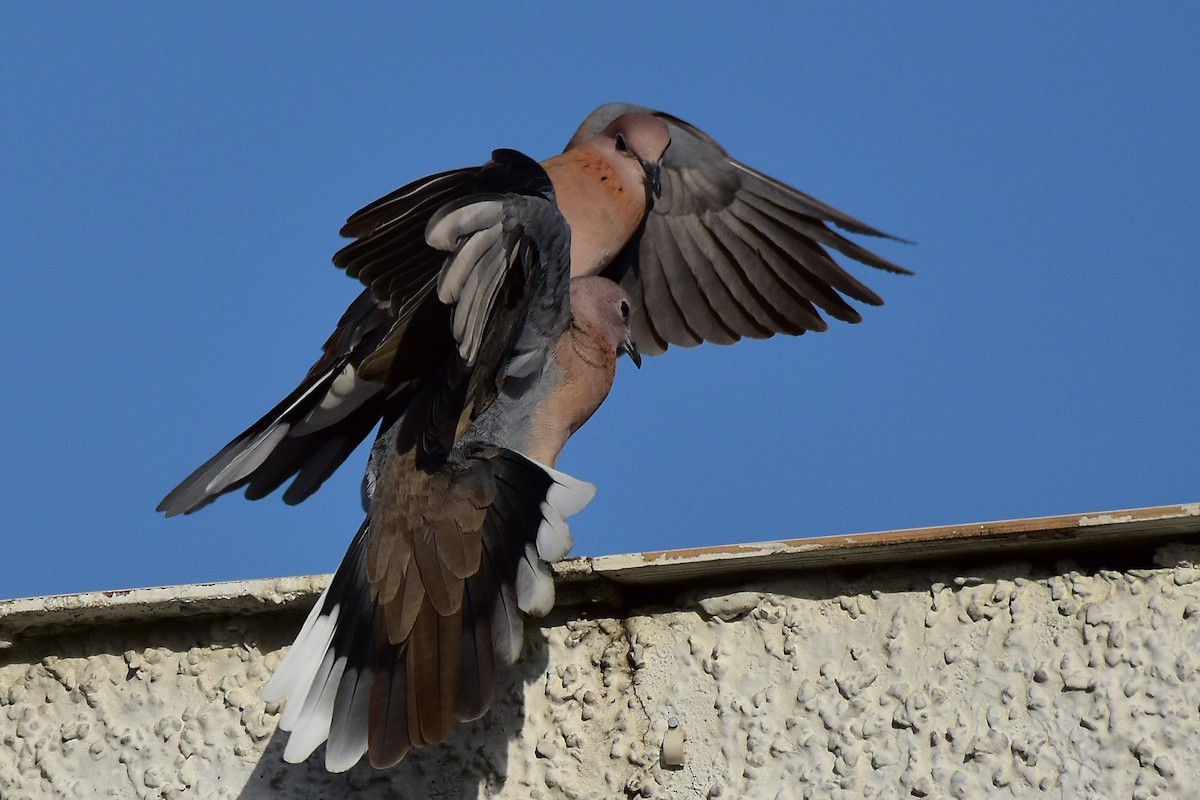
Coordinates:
994 680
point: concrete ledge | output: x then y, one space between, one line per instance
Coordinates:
874 665
577 577
57 613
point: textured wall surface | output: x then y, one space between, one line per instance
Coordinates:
978 680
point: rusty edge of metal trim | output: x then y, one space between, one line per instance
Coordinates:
1008 538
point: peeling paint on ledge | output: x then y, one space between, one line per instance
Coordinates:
1015 537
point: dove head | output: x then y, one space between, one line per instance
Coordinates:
640 137
601 309
605 184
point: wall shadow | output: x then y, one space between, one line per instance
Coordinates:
475 756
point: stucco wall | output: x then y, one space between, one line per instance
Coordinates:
985 678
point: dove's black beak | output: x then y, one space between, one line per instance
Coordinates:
653 172
629 348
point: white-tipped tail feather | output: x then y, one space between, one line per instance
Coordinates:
304 657
568 494
329 672
565 497
535 584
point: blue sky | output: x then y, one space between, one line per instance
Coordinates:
173 182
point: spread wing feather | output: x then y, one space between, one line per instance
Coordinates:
772 234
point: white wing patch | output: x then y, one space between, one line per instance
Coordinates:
345 394
446 230
249 459
471 279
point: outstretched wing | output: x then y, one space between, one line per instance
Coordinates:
309 433
404 643
392 335
502 296
728 252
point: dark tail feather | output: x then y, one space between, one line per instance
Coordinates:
477 670
329 652
387 735
347 683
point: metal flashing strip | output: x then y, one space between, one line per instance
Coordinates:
1009 538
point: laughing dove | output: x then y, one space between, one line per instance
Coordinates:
428 601
725 252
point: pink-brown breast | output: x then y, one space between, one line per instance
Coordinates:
603 199
587 370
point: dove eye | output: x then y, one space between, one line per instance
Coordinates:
621 144
624 307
